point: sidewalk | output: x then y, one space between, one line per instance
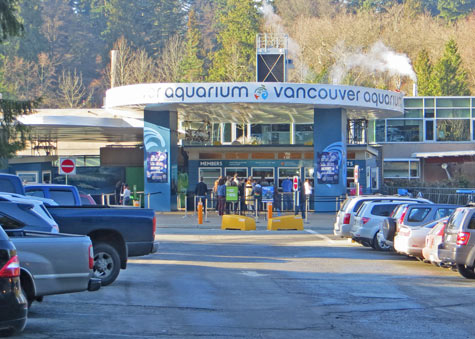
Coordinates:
322 222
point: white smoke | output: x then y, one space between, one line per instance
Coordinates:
379 58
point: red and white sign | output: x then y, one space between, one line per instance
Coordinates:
295 182
356 175
67 166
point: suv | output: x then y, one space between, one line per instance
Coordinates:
367 223
457 249
13 304
32 214
346 215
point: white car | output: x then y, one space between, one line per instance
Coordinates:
368 220
346 215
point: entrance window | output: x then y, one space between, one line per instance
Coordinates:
264 174
209 175
406 169
287 172
241 172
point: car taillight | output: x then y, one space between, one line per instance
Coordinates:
154 225
346 219
401 219
11 269
364 220
91 257
462 238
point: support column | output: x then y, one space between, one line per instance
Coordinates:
329 140
160 159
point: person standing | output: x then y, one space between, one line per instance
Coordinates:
221 192
248 194
308 190
201 193
215 193
126 195
300 203
257 193
287 193
118 191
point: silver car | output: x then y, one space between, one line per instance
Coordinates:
346 215
368 220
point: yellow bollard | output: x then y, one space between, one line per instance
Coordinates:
200 213
269 210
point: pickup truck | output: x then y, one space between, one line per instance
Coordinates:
53 263
64 195
116 233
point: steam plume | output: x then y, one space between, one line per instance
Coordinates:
379 58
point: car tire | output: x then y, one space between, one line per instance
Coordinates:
379 244
106 263
389 229
466 271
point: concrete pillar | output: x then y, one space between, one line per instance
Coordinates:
329 140
160 159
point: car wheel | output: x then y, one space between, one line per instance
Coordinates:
379 243
106 263
466 271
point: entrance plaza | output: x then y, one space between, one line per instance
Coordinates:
327 107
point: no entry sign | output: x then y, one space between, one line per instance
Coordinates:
67 166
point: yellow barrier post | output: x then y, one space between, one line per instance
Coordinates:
200 213
269 210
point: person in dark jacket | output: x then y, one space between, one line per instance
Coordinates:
201 193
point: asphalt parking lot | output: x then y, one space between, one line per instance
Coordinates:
207 282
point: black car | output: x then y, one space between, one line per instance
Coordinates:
13 304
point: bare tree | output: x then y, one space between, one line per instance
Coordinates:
169 65
71 90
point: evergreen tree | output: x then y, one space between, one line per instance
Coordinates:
192 64
10 24
424 69
237 24
454 9
449 76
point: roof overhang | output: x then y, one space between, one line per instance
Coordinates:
255 102
443 154
83 125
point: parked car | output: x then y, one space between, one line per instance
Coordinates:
457 249
368 220
32 214
433 240
13 304
411 240
346 214
412 215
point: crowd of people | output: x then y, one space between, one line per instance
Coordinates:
247 198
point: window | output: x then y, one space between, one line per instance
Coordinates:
453 113
383 210
265 174
288 172
9 223
453 130
36 193
303 134
471 224
443 212
28 177
455 219
430 130
401 169
241 172
418 214
62 197
209 175
269 134
404 130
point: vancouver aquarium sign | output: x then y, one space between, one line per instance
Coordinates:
323 95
